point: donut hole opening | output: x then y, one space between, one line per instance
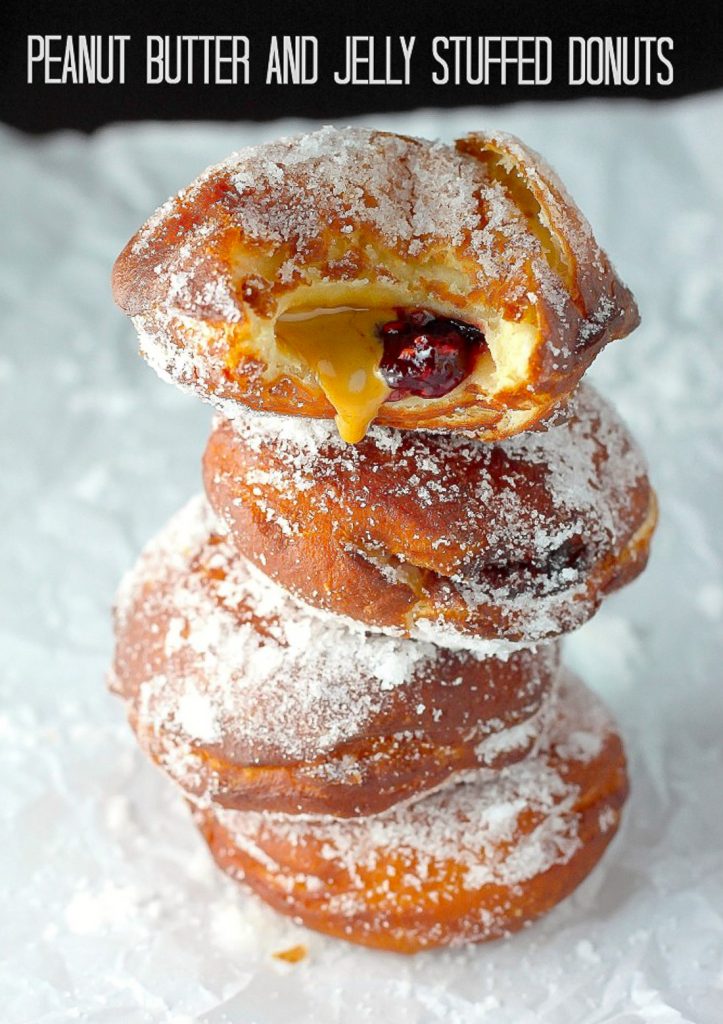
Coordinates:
480 579
552 573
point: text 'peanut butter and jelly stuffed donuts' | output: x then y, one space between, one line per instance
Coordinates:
370 276
346 654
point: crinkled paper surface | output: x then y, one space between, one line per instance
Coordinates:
111 910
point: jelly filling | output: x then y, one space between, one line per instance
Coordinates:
427 355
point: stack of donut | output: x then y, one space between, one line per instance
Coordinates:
346 653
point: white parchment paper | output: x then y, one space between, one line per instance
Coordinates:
110 910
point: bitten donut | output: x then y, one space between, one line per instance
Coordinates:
364 275
248 698
470 862
440 535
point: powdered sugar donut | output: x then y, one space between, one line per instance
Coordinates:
249 698
364 275
440 535
468 863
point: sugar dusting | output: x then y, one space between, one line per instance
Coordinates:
525 540
224 680
475 823
253 662
413 194
354 205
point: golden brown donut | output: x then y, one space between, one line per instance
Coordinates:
268 279
249 698
470 862
440 535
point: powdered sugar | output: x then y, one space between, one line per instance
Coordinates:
231 659
520 527
195 715
414 193
241 662
475 823
356 210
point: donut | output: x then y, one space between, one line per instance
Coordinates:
249 698
473 861
439 535
366 276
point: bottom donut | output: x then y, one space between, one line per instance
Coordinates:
472 861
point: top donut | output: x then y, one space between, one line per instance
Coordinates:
370 276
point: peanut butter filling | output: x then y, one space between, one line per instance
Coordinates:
342 349
363 357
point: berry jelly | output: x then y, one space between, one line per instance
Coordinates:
427 355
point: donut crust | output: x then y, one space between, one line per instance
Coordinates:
440 536
472 862
341 723
482 231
